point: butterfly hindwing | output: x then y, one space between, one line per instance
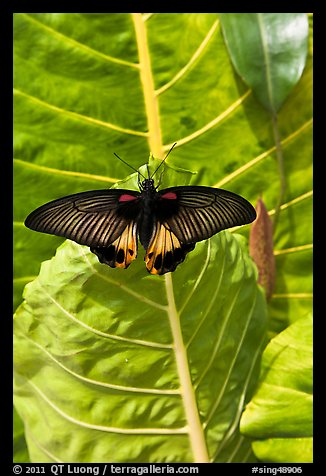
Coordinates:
165 251
121 252
195 213
96 218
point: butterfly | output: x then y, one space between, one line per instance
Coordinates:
168 222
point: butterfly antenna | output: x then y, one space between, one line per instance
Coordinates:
163 160
133 168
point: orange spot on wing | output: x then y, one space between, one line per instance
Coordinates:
126 246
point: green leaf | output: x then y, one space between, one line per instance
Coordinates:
163 383
268 50
279 417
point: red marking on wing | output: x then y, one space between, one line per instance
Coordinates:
169 196
127 198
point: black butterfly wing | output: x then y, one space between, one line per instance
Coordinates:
186 215
195 213
105 220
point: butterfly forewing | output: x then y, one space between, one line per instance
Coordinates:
197 213
169 223
95 218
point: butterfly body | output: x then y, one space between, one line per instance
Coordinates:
147 199
168 222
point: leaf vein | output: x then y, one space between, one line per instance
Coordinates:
232 363
262 156
41 448
77 44
234 424
212 302
200 277
122 388
100 333
220 338
210 124
292 296
191 61
267 65
125 288
284 206
23 279
109 429
54 171
79 117
147 16
294 249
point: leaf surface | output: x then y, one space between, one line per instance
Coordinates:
19 442
189 349
268 50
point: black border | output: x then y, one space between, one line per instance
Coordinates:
6 78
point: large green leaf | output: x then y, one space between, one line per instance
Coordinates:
80 96
165 382
88 85
279 417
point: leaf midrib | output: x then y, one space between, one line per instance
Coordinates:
195 428
267 69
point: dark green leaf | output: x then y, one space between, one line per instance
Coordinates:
268 50
20 449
